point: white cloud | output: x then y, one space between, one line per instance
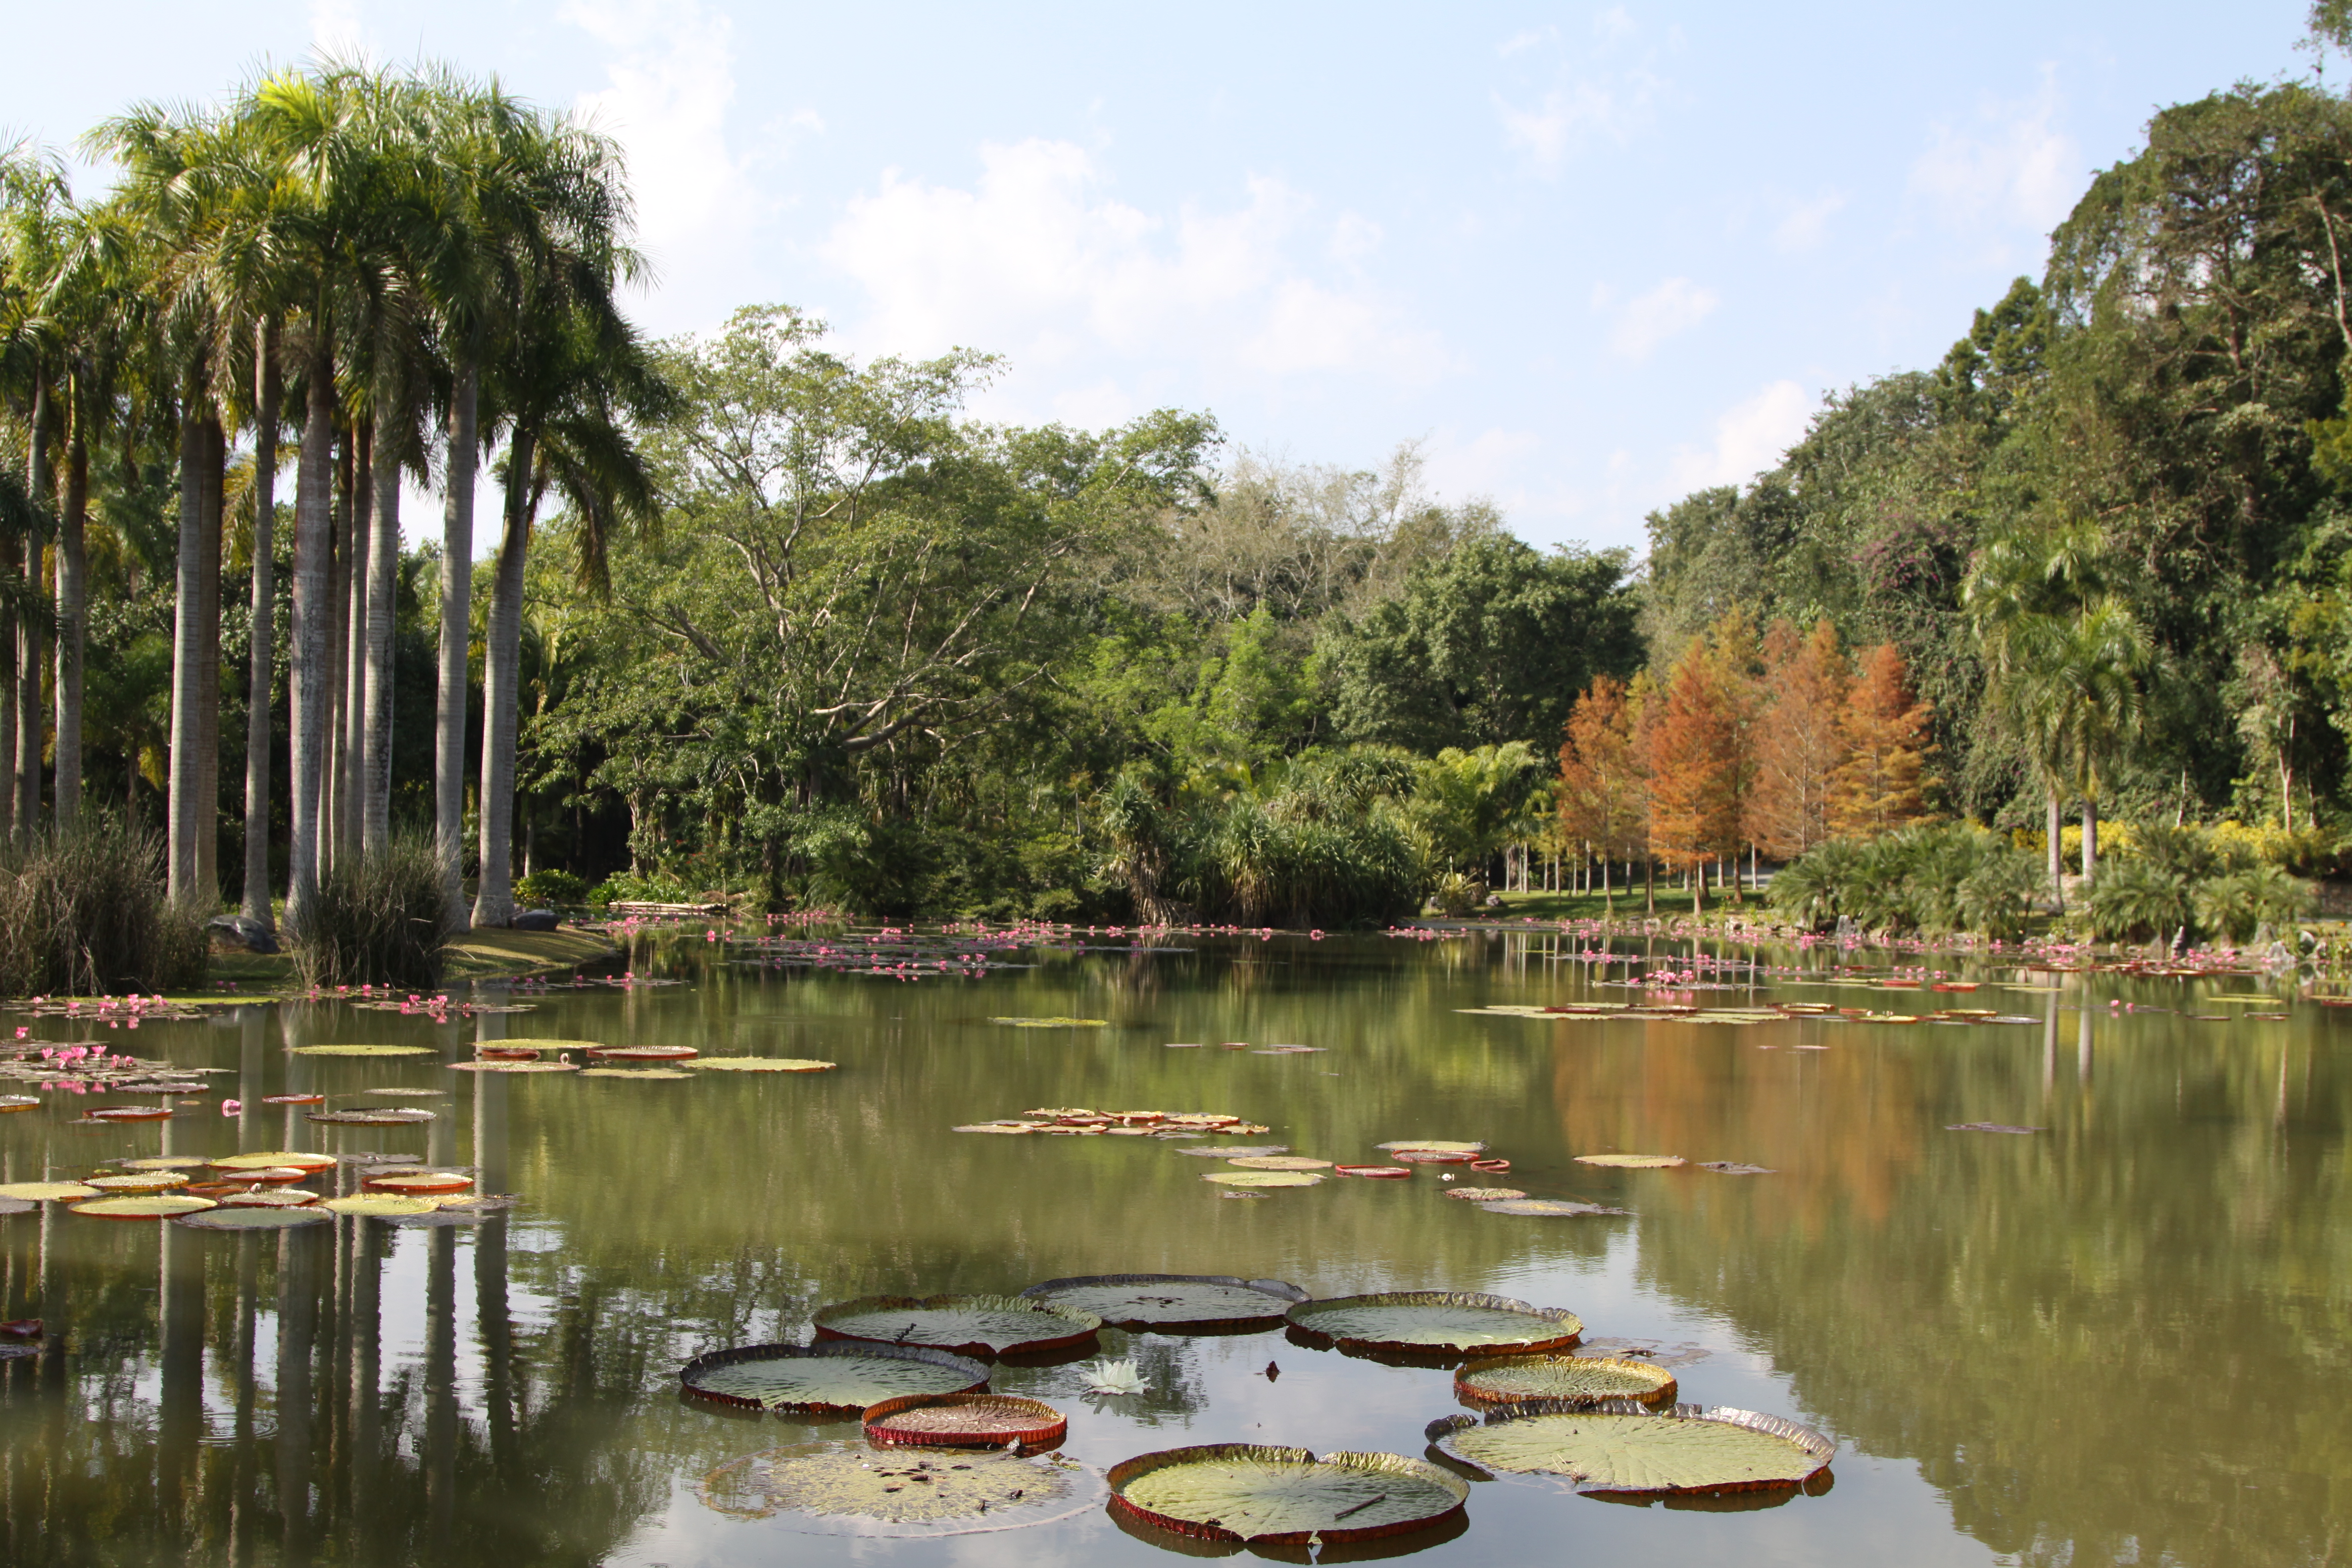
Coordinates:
1801 227
1613 24
1749 438
335 28
1647 320
1534 37
671 79
1038 260
1568 115
2015 165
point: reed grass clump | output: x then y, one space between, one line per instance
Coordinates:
379 920
83 912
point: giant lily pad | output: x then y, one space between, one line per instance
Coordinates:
157 1206
1572 1380
1054 1023
965 1421
379 1205
1276 1162
1485 1195
131 1113
362 1051
1631 1161
1431 1146
1236 1150
634 1072
137 1183
1264 1178
240 1217
642 1052
1721 1450
849 1488
371 1116
1247 1491
841 1378
1557 1208
20 1102
503 1065
167 1163
1441 1322
1200 1302
277 1159
419 1183
48 1191
973 1325
758 1064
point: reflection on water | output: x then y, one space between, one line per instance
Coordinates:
2119 1339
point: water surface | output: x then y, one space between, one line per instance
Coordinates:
2121 1339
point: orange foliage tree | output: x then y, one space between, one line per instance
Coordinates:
1879 788
1799 739
1700 769
1603 801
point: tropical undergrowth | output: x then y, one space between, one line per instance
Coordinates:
83 912
2190 884
1935 879
381 919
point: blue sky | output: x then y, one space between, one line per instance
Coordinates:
1591 257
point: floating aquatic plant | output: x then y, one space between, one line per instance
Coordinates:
1631 1162
841 1378
760 1063
1577 1380
977 1325
1247 1491
1119 1378
1684 1451
983 1420
1438 1321
849 1488
1172 1301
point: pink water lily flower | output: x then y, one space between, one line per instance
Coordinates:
231 1107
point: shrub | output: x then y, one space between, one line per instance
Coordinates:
83 912
379 920
2138 900
1935 877
2240 903
629 887
542 887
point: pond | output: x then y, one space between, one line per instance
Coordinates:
2118 1337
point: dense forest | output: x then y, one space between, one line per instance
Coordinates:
765 621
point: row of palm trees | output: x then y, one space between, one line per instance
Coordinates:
398 274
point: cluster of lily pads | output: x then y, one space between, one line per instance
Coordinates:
274 1190
1077 1121
914 1372
597 1060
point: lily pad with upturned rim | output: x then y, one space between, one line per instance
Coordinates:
379 1205
1275 1161
642 1052
276 1158
167 1163
1485 1195
1432 1145
131 1113
1555 1208
508 1066
846 1488
1264 1178
361 1050
419 1183
965 1421
1236 1150
1688 1450
839 1377
1444 1322
1249 1491
1053 1023
48 1191
1377 1172
760 1063
1631 1162
241 1217
161 1205
371 1116
1197 1303
1573 1379
970 1325
137 1183
635 1072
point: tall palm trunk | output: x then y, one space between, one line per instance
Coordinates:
261 672
375 770
12 558
25 756
2090 840
355 628
187 664
330 780
73 590
208 565
2057 831
314 501
501 678
457 626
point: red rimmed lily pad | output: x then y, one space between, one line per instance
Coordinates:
1437 1322
1689 1450
371 1116
293 1099
1569 1380
1254 1492
969 1325
966 1421
1377 1172
1198 1303
419 1183
642 1052
839 1378
131 1113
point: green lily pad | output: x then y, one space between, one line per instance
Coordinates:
48 1191
1631 1162
1559 1208
371 1116
1196 1301
1054 1023
1574 1380
975 1325
239 1217
1687 1451
838 1378
1248 1491
1438 1321
1263 1178
362 1051
849 1488
157 1206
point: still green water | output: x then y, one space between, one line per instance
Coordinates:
2123 1338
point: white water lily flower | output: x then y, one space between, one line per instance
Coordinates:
1114 1377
